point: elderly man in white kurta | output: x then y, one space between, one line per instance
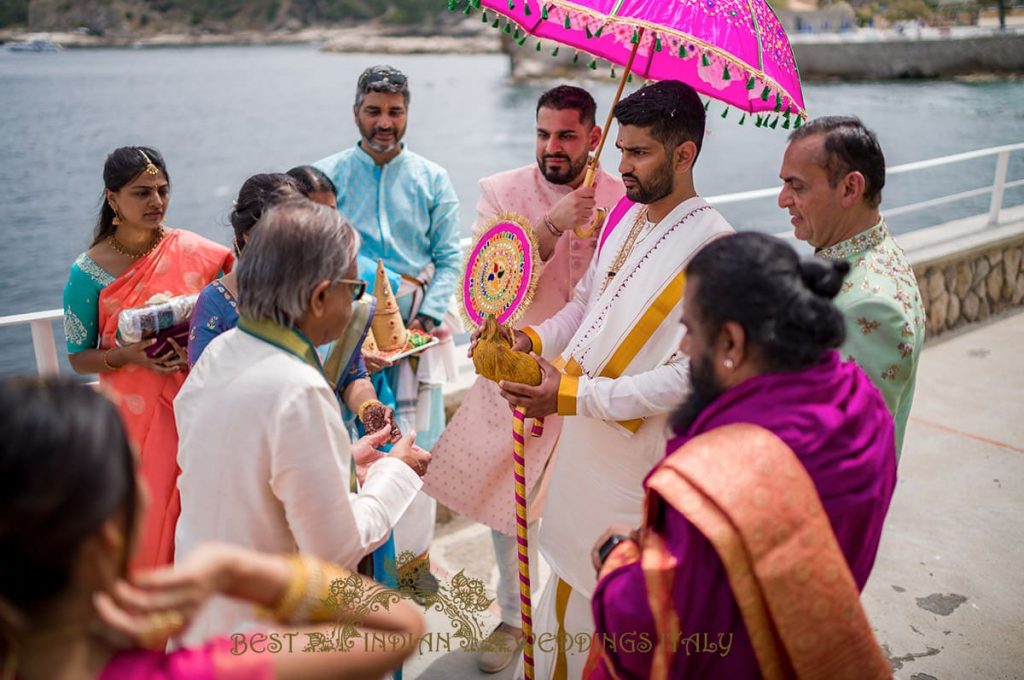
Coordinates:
264 455
617 369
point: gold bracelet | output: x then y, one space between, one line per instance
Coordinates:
365 405
289 602
106 361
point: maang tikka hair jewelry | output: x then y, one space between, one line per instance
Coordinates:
151 169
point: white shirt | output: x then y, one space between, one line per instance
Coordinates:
265 463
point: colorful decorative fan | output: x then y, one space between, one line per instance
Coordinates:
501 272
501 276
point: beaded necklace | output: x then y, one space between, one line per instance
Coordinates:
121 249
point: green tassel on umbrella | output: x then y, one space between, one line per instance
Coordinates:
682 51
636 37
798 123
774 123
758 122
452 4
612 76
538 46
752 83
765 92
554 52
778 102
785 124
576 57
593 65
495 24
468 10
725 112
511 5
544 12
568 23
526 9
597 33
707 104
508 28
483 17
725 74
743 118
704 60
657 44
521 41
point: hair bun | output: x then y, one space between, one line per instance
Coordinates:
823 276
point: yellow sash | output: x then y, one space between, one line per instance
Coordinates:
635 340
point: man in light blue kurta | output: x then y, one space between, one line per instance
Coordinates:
405 208
833 173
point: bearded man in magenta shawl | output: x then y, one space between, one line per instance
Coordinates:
762 524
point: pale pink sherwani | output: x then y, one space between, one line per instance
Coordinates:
471 469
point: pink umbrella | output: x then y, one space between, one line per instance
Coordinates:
735 51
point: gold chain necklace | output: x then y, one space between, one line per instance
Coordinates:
121 249
627 246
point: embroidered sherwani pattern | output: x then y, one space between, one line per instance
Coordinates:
885 319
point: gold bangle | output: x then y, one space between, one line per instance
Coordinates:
289 602
365 405
106 361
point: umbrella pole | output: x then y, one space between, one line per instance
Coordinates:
588 180
591 176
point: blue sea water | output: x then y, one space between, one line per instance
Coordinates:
220 114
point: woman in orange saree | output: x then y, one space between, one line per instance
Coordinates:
134 258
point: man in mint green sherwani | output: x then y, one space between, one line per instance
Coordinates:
833 173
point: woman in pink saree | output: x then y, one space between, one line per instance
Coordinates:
70 507
133 258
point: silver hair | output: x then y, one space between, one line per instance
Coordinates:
382 72
294 246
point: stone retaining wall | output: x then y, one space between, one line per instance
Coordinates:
971 286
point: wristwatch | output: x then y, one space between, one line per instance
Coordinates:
428 322
606 548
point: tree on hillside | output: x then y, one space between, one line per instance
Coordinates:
907 10
13 12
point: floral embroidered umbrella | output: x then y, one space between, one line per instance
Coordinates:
735 51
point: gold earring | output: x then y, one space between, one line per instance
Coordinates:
117 220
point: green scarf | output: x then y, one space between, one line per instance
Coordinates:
290 340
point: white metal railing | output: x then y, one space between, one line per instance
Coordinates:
45 346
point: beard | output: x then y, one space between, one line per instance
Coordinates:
572 169
368 133
704 389
659 186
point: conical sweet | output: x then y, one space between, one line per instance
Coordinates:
388 328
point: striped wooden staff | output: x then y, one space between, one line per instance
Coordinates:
519 473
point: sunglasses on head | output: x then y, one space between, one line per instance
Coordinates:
388 76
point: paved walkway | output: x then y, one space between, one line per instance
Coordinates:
946 596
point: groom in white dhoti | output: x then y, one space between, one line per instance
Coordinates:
616 369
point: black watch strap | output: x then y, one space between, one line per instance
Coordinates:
606 548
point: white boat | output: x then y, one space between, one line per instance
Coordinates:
34 45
